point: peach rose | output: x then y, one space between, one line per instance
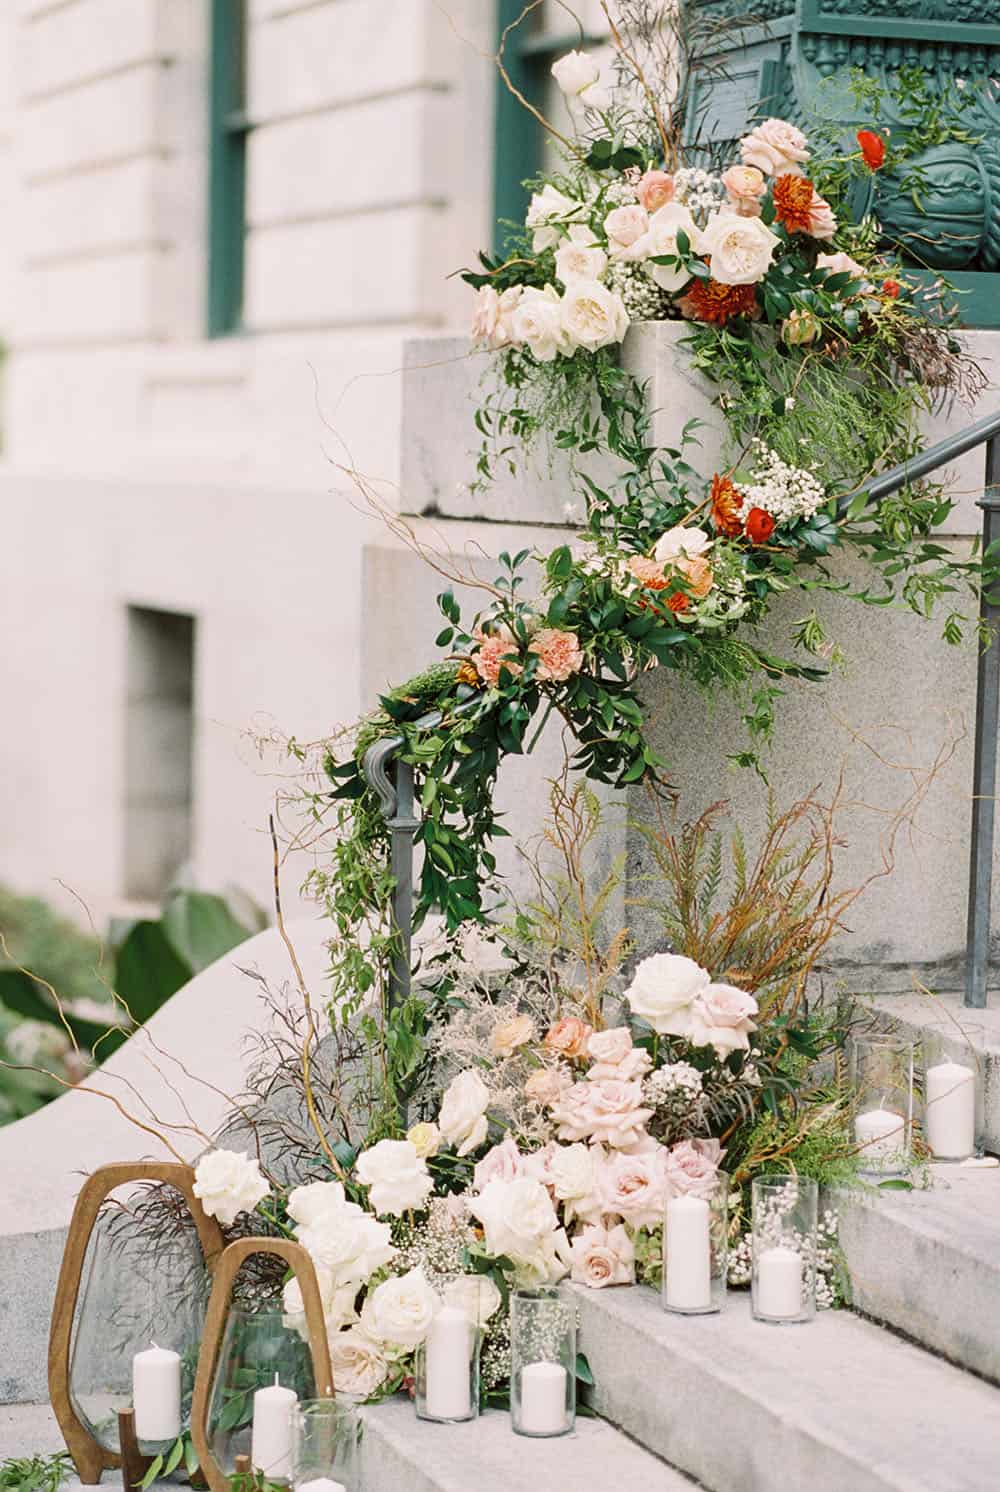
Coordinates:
609 1110
509 1035
840 264
648 572
603 1256
654 190
745 185
690 1167
559 654
569 1036
698 574
547 1085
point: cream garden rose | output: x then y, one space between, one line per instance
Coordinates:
580 257
624 226
399 1311
503 1162
396 1176
307 1203
720 1018
682 541
592 315
520 1221
462 1120
509 1035
549 213
662 991
537 322
575 73
358 1364
425 1139
740 249
349 1242
661 238
228 1182
477 1295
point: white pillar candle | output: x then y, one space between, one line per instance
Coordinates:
687 1280
271 1437
543 1398
779 1282
321 1484
950 1093
880 1133
448 1360
156 1393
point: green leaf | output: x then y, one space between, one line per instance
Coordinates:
200 928
174 1459
896 1184
148 970
583 1370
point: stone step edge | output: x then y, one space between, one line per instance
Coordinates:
834 1405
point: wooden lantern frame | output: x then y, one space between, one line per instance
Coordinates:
90 1457
233 1257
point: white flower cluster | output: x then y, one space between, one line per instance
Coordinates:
642 299
674 1077
739 1269
786 492
699 191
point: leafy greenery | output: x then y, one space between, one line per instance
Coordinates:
35 1473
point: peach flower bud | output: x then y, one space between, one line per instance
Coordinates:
745 185
509 1035
547 1085
569 1036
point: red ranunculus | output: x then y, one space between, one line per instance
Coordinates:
759 526
872 148
891 288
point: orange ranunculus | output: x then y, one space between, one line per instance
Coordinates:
726 504
872 148
698 577
759 526
891 288
709 300
648 573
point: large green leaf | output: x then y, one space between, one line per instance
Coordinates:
148 970
201 928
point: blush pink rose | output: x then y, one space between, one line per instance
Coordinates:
635 1186
608 1111
569 1036
654 190
614 1056
494 653
559 654
776 148
547 1085
691 1166
503 1163
720 1018
624 227
745 186
603 1256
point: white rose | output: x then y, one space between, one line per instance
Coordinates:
349 1242
662 990
624 227
358 1364
516 1215
462 1120
548 211
592 315
228 1182
537 323
575 72
721 1019
661 238
477 1296
577 259
546 1264
603 1256
397 1178
400 1310
775 147
571 1171
338 1304
307 1203
741 249
681 542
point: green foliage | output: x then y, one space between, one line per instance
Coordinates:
35 1473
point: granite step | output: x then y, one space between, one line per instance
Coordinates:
404 1454
927 1262
838 1405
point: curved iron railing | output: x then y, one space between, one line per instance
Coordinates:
393 779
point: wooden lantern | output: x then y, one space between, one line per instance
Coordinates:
90 1457
227 1268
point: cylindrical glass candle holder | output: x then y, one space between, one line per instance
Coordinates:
695 1250
542 1363
882 1078
326 1439
783 1286
953 1112
447 1361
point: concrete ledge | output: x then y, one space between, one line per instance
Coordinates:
928 1262
836 1406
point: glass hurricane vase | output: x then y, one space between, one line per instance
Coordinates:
264 1370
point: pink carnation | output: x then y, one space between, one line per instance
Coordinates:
494 652
559 653
691 1167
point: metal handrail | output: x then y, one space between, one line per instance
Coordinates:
395 787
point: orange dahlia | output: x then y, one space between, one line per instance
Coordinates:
793 202
726 503
708 300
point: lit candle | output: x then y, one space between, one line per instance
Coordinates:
950 1091
543 1398
880 1134
687 1282
156 1393
271 1438
779 1282
321 1484
448 1361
